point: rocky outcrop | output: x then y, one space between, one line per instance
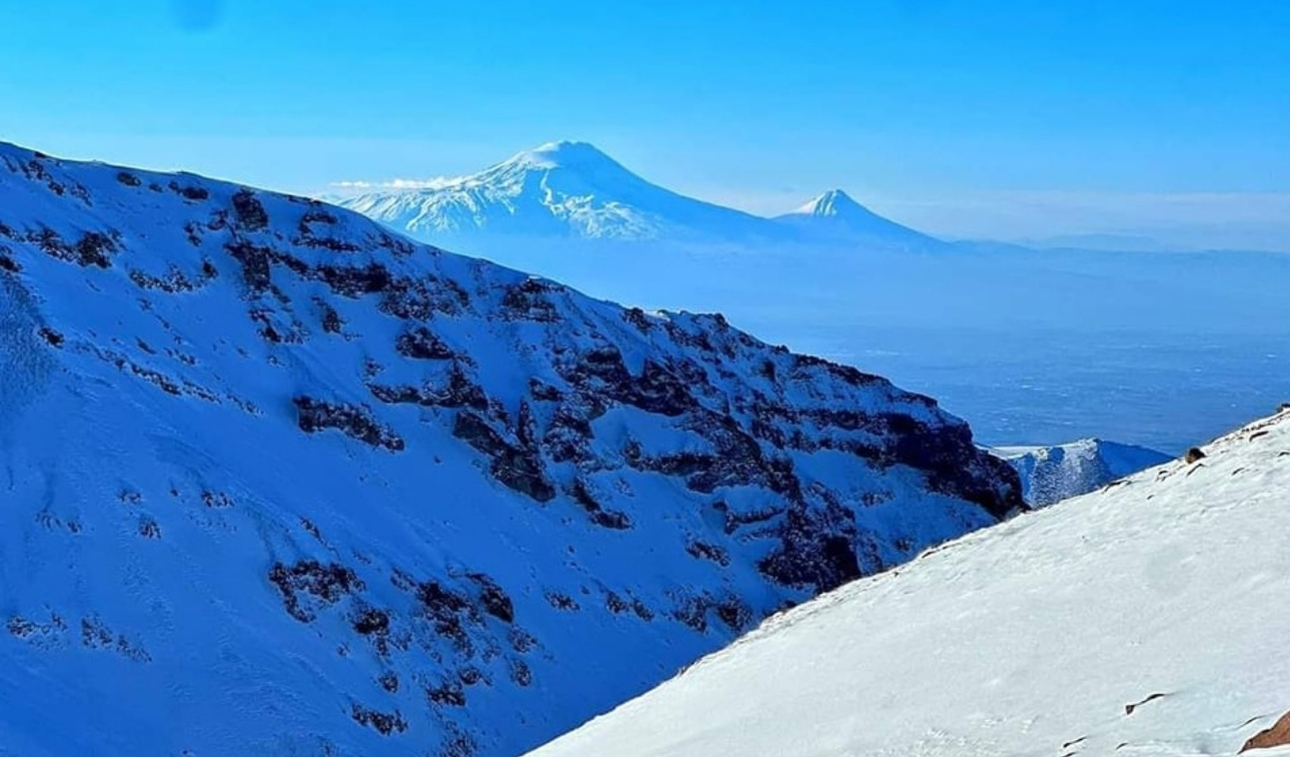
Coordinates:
435 505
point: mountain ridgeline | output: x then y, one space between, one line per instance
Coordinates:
311 488
572 190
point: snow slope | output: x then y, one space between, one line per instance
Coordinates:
278 482
1147 619
563 190
1052 474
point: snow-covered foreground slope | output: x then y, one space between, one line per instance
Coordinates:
1052 474
1148 619
277 482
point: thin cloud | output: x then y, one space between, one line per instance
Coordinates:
393 184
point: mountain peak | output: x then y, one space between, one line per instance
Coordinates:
832 203
565 154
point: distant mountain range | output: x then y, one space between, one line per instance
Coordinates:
573 190
1145 619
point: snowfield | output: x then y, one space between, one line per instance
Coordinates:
277 481
1145 619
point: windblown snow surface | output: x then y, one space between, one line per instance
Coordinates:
1052 474
276 481
1147 619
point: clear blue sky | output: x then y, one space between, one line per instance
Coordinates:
944 108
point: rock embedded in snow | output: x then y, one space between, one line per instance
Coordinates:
310 488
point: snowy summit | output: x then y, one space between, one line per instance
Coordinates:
835 215
561 189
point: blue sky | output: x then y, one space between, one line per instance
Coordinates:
995 117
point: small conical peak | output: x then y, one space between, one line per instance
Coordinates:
832 203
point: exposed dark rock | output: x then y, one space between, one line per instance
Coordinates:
599 515
421 344
448 611
355 422
711 552
1194 454
255 260
494 600
457 391
128 179
944 454
544 392
616 604
92 249
325 584
693 612
816 549
1277 735
250 212
420 299
521 674
372 622
193 193
448 693
332 323
561 601
384 723
51 336
530 301
516 467
350 281
734 613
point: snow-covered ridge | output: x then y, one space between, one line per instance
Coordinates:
1147 618
1054 473
278 481
573 190
560 189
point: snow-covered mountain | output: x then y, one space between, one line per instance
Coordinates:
279 482
562 190
835 217
572 190
1147 619
1052 474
